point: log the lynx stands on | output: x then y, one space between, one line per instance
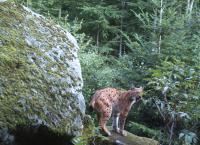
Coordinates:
116 103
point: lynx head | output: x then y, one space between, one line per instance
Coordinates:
135 94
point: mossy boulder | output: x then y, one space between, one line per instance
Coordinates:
40 74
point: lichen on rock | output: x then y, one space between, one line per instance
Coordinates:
40 74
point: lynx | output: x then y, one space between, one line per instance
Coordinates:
113 102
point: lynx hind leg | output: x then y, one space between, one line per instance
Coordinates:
105 116
115 122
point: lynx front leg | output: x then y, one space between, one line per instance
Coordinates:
115 122
105 116
122 120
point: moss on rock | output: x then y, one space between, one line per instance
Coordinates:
40 76
131 139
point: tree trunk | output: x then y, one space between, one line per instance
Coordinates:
155 21
97 37
189 8
121 29
171 133
160 25
120 46
28 3
59 13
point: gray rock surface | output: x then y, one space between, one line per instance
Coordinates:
40 74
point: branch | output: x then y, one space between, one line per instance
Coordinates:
163 116
171 133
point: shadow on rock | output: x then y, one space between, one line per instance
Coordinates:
40 135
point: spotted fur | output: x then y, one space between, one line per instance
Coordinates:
113 102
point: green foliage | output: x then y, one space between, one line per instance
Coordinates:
189 138
179 82
85 139
90 134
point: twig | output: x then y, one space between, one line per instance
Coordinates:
171 133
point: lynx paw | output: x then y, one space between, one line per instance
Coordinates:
109 134
122 132
116 130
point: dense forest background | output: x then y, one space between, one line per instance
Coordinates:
149 43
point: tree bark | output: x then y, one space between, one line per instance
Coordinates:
155 21
97 37
189 8
121 29
171 133
160 25
59 13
